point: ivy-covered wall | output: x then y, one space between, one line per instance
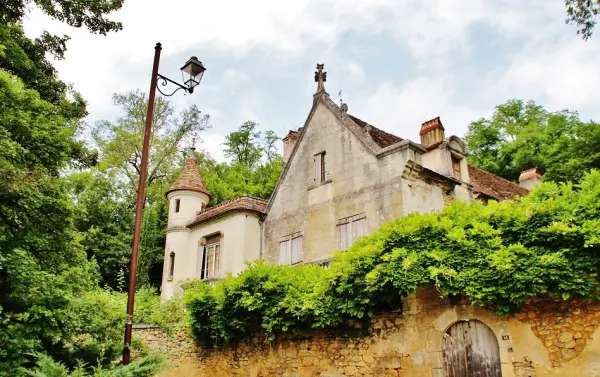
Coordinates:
409 344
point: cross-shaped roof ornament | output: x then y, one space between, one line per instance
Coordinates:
320 78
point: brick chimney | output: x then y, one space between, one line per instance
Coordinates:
530 178
432 133
288 144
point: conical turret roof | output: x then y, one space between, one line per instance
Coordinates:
189 179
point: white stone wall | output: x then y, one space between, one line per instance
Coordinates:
240 242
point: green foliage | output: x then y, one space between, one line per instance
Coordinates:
583 13
499 255
254 169
76 13
147 366
151 310
523 135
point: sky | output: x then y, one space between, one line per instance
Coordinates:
398 63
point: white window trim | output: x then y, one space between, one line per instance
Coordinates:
350 236
289 241
216 267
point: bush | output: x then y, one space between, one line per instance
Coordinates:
499 255
143 367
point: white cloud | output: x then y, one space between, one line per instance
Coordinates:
553 63
402 109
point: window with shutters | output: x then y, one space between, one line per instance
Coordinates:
456 168
209 258
171 265
177 205
349 229
291 249
320 163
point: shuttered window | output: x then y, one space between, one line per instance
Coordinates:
291 249
320 164
456 168
349 229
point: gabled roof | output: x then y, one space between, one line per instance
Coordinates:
239 204
189 179
493 186
380 137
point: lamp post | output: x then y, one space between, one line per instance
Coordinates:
192 72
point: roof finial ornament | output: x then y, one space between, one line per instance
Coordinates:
343 106
320 78
193 147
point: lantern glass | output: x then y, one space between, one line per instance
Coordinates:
192 72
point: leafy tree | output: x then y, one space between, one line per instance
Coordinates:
104 220
120 142
42 266
583 13
522 135
254 168
243 145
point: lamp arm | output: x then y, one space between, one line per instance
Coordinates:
165 81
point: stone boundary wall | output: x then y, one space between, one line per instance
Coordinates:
549 338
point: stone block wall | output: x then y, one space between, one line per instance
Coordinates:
532 343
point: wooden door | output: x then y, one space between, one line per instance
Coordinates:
470 349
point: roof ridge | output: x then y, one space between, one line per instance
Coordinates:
235 199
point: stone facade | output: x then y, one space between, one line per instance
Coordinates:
368 173
405 344
342 179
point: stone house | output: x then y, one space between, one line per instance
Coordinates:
342 179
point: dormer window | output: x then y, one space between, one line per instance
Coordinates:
456 172
320 168
177 205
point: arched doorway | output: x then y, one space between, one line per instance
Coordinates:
470 349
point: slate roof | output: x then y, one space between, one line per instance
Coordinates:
241 203
380 137
493 186
189 179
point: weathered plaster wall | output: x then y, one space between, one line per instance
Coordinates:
543 341
357 182
240 242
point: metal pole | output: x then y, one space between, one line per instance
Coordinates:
140 207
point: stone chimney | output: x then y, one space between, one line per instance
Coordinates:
432 133
288 144
530 178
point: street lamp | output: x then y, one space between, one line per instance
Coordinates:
192 72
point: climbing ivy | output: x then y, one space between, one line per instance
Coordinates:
499 255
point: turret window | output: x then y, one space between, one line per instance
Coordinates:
171 265
177 205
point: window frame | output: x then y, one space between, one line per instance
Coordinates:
171 271
350 235
456 161
211 255
288 241
320 165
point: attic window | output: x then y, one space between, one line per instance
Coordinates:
456 173
320 167
177 205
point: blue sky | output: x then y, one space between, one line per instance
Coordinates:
398 63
